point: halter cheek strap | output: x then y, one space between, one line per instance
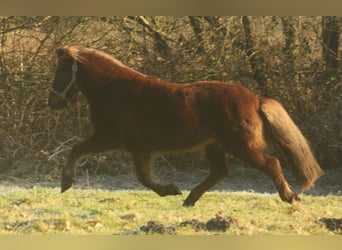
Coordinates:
63 94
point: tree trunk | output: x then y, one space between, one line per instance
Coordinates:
289 46
159 36
255 59
330 40
195 24
2 45
289 33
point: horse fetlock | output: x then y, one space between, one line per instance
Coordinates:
290 197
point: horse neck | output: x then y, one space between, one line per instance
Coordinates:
111 82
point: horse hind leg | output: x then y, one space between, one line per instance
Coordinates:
218 171
251 150
143 168
271 167
249 145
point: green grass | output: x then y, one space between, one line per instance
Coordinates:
99 212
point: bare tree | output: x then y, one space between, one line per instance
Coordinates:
289 46
196 26
255 59
330 40
160 37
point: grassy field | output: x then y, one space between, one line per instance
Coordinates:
79 212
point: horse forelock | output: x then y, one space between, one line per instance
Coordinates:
74 52
69 51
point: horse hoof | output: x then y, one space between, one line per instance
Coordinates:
169 189
172 189
296 198
187 203
66 184
291 198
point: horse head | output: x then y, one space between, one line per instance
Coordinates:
64 87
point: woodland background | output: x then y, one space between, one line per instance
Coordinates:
295 60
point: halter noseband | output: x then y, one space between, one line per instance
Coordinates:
63 94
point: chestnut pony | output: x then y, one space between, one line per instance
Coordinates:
144 115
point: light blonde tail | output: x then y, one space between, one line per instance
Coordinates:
287 138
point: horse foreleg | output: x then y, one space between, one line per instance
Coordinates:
143 168
218 171
93 144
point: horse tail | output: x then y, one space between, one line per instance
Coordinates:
285 136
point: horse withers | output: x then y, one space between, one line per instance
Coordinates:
144 115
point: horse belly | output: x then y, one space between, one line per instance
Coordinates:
160 133
188 141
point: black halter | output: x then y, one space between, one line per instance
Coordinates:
63 94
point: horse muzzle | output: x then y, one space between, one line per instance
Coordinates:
56 103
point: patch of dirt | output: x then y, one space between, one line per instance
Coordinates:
332 224
195 224
219 224
153 227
